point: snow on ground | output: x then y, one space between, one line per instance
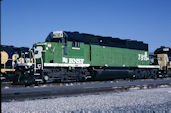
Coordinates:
134 101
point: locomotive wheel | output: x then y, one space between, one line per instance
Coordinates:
64 78
147 74
29 80
23 78
165 76
17 79
138 74
82 78
154 74
144 74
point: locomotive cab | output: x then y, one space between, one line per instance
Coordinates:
58 37
48 52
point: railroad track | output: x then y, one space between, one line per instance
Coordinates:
9 85
66 89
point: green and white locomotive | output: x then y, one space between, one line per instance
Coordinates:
74 56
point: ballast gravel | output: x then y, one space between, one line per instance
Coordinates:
134 101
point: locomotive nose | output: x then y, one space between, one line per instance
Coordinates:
4 57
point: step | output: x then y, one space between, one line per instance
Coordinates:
36 73
38 80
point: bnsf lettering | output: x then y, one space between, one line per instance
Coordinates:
73 60
76 61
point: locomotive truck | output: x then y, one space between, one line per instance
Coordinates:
74 56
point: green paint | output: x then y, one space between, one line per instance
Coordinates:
100 55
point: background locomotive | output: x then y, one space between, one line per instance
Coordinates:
163 58
74 56
11 55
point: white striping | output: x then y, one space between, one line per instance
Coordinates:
41 44
77 48
65 65
148 66
25 64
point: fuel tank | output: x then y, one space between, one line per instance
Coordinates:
113 74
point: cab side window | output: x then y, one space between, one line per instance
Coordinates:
76 44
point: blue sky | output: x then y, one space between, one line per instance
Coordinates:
25 22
